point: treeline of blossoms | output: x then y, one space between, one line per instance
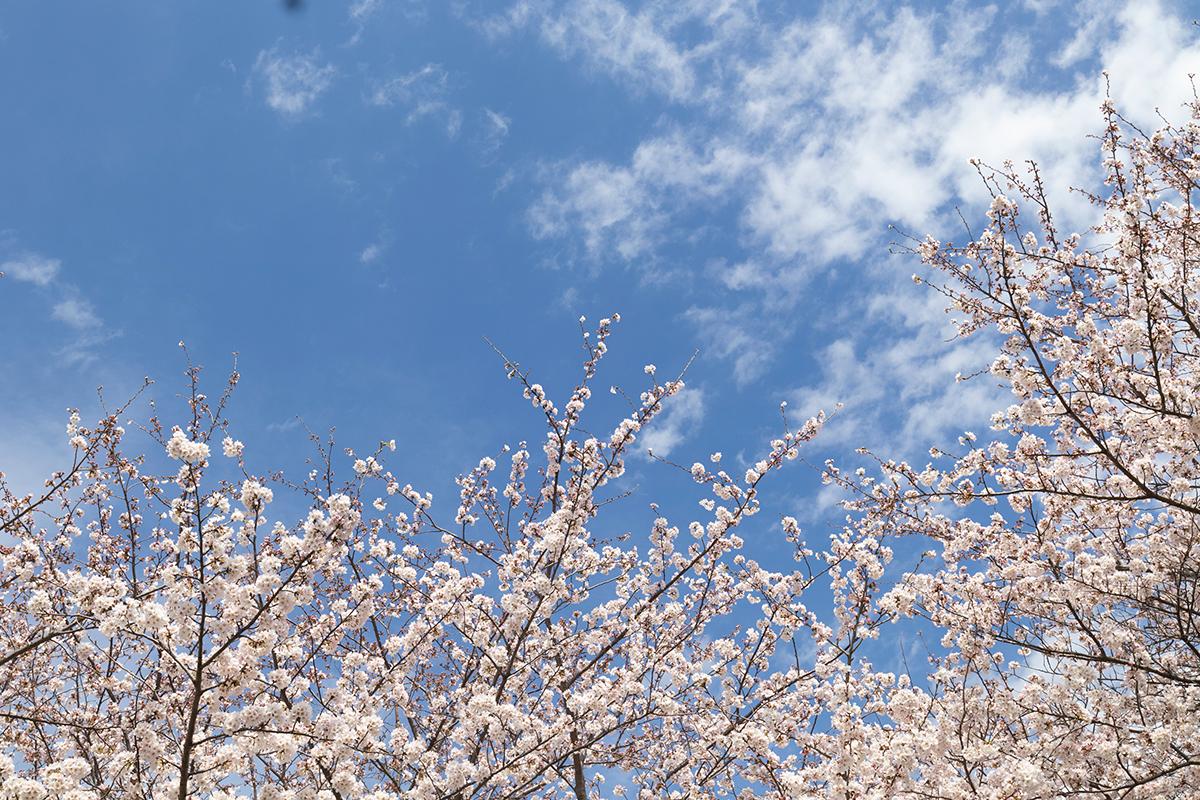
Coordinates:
159 639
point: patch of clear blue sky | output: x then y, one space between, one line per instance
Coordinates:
183 208
138 149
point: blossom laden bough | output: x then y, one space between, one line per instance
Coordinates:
1070 611
162 638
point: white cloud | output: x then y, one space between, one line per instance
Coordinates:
567 300
294 82
838 125
33 268
496 125
286 425
505 181
603 202
81 350
377 248
679 420
653 48
69 305
424 91
77 313
499 122
818 133
617 40
895 376
452 119
1040 7
740 334
825 133
361 9
1096 19
428 82
626 211
507 23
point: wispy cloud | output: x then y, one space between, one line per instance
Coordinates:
821 131
424 92
664 47
361 9
495 130
81 349
32 268
423 84
286 425
679 421
76 312
812 135
800 140
499 122
627 211
68 304
897 379
360 12
293 82
373 251
740 334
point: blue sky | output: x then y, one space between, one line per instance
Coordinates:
353 195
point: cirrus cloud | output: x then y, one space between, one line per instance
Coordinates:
293 82
32 268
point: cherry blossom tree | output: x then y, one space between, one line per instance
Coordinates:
162 637
1069 613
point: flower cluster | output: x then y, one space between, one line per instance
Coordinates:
186 450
